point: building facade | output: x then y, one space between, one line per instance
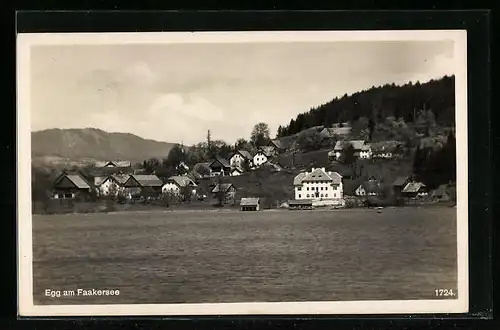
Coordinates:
319 185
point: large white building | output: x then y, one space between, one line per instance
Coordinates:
319 185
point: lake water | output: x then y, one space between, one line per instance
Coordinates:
198 257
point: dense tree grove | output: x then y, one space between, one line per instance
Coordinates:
436 97
435 167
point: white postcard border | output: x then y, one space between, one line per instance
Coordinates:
26 305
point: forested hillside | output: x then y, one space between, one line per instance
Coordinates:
409 102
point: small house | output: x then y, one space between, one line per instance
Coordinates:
71 185
135 184
414 189
300 204
219 167
263 155
111 184
280 145
371 187
176 184
239 158
201 170
250 204
399 183
237 170
362 149
225 190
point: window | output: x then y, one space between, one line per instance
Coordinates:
299 188
326 195
300 195
335 195
321 188
321 195
307 195
307 188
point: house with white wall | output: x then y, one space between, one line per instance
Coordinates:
362 149
239 158
175 184
263 155
321 186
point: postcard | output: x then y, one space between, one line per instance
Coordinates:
242 173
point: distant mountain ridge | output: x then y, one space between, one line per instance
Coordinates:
96 144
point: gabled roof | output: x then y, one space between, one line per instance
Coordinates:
118 163
319 174
298 178
372 186
245 154
350 186
205 166
147 180
221 160
413 187
181 180
78 180
327 132
98 180
401 180
250 201
268 151
281 143
120 178
237 168
224 187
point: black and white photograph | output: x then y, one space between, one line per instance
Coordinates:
242 173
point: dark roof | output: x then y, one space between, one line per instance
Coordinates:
317 174
300 202
75 178
120 178
221 160
413 187
400 180
249 201
224 187
372 186
282 143
350 186
268 151
181 180
245 154
147 180
118 163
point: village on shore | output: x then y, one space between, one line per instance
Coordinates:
214 183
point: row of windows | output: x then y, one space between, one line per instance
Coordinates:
315 188
320 195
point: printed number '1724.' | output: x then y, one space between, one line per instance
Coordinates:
444 293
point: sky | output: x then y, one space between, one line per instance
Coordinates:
176 92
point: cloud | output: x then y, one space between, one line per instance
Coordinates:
187 105
140 73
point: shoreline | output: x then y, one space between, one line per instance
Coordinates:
237 210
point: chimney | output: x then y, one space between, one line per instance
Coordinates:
323 169
312 169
